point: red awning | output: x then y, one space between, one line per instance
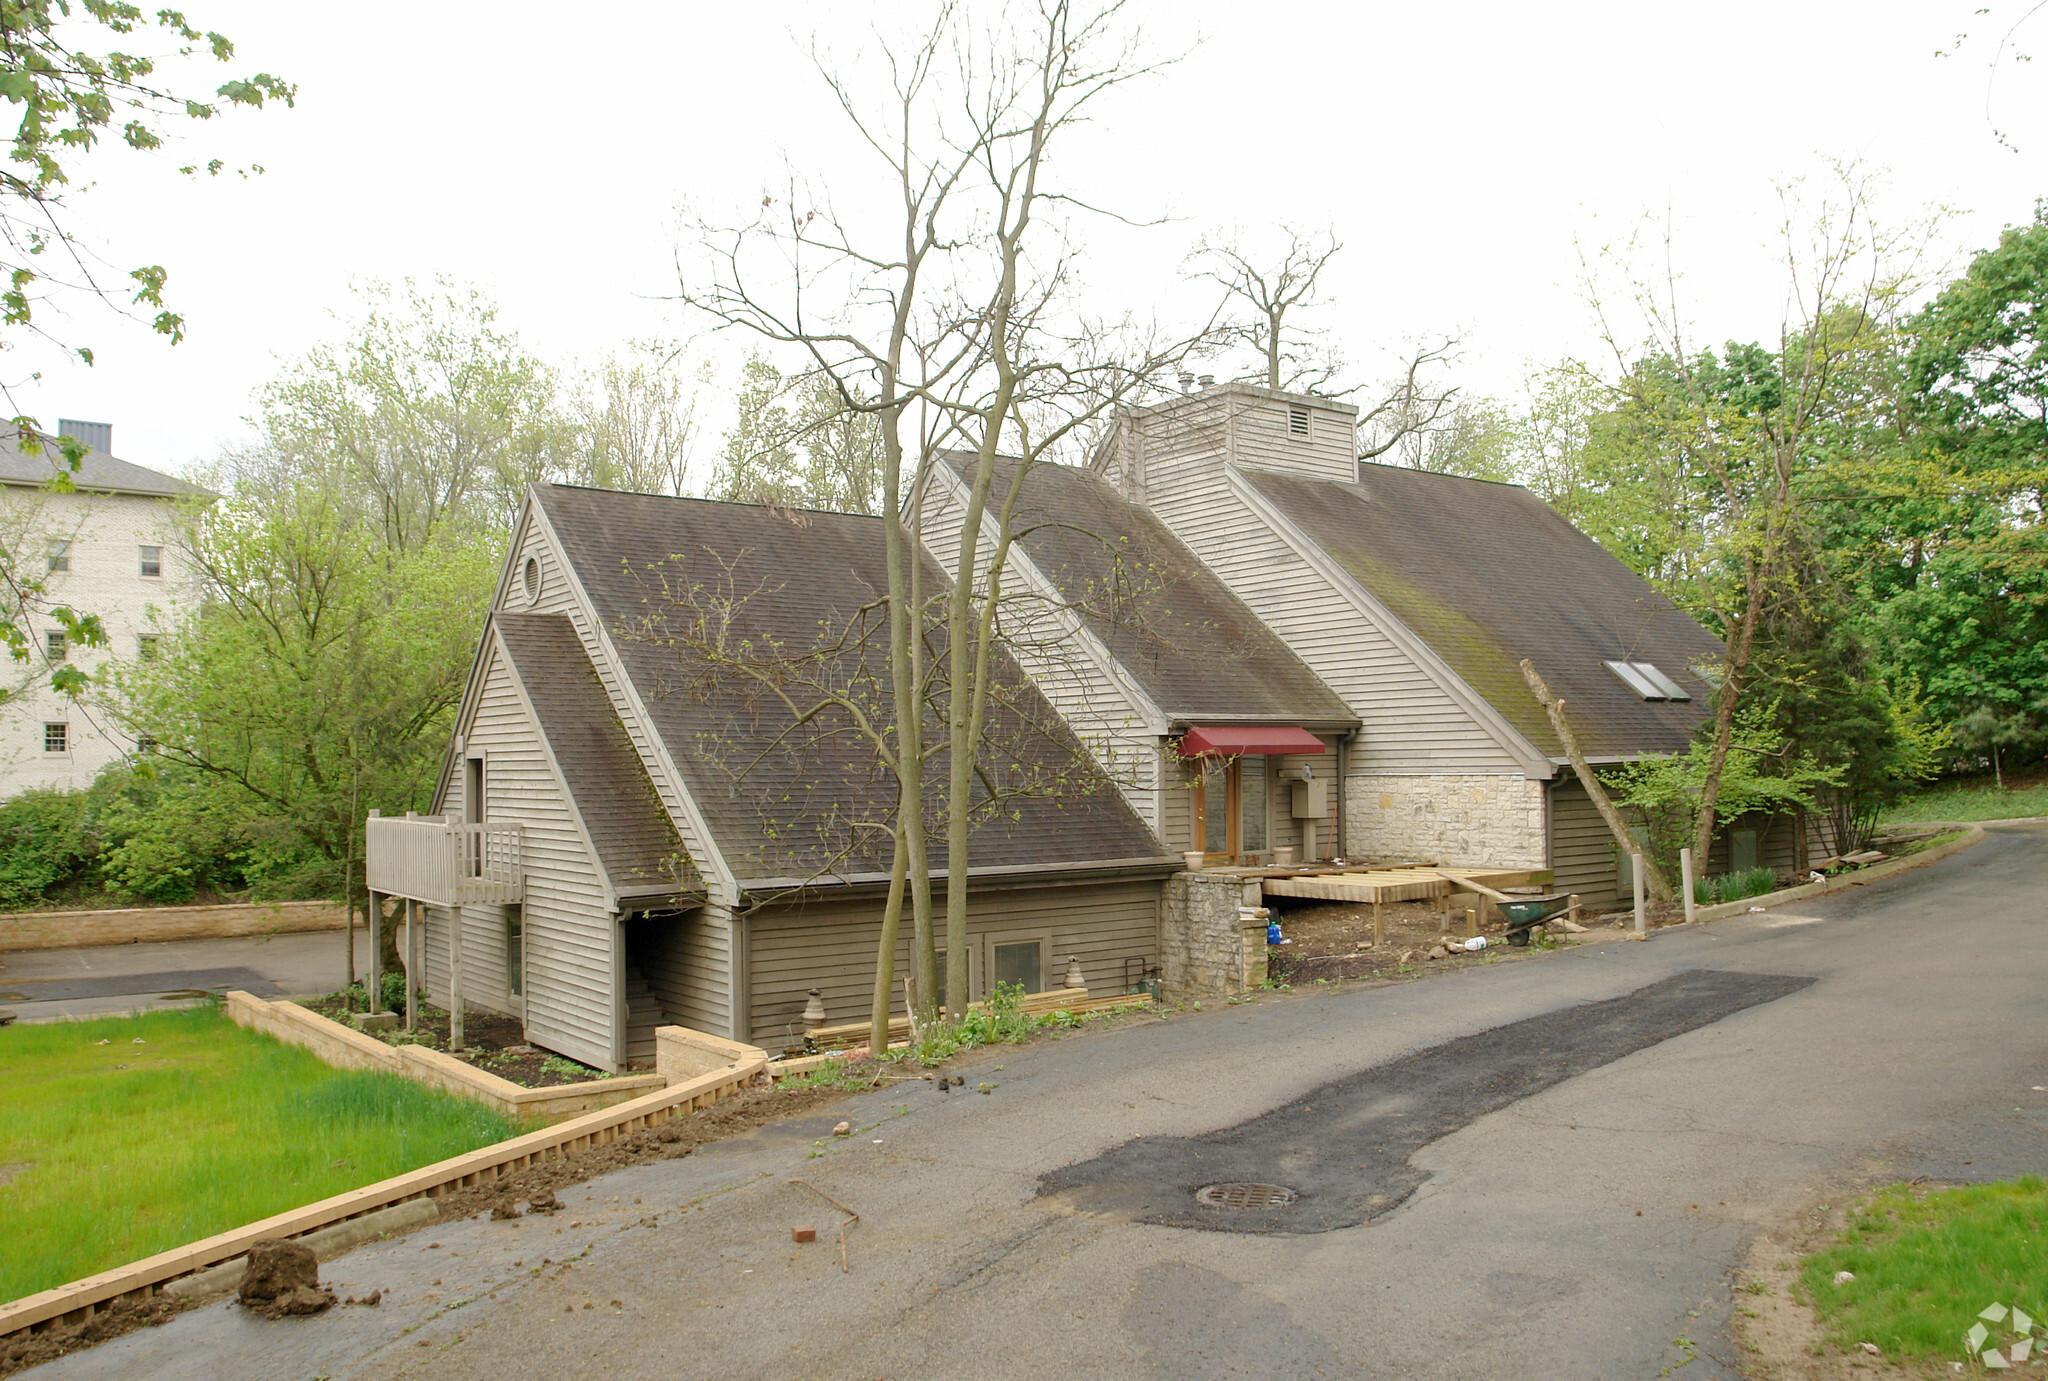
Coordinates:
1231 740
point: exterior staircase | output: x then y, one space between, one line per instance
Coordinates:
643 1014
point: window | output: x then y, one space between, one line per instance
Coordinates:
473 791
1647 681
145 745
1297 421
1022 963
56 738
1742 850
515 950
145 647
56 644
59 556
152 561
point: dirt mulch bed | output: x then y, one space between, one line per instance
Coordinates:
677 1137
25 1350
1333 940
492 1041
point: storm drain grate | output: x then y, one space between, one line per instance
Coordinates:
1239 1194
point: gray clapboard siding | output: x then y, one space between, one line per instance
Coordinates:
1264 439
831 947
1411 724
685 959
1582 849
568 936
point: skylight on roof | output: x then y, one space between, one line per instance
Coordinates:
1647 681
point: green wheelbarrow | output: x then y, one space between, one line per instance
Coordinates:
1527 913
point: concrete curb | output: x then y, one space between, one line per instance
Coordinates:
1875 871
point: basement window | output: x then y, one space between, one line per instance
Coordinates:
1647 681
1297 421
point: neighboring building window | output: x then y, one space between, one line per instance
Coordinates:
60 556
145 647
515 950
145 745
1297 421
56 738
152 561
57 644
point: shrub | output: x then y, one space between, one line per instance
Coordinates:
46 842
1727 887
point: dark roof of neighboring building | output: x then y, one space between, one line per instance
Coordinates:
1487 574
1194 646
797 804
98 472
609 786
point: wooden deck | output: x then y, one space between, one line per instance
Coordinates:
1394 884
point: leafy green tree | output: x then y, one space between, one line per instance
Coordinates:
427 410
796 442
1763 774
70 91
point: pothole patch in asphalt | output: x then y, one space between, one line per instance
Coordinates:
1339 1154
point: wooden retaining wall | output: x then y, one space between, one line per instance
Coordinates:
129 925
346 1048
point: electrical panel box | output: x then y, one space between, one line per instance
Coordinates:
1311 799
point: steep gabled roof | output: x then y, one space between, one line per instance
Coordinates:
98 472
1487 574
1196 649
788 802
607 783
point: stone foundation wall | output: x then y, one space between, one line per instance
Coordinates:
1494 820
1209 949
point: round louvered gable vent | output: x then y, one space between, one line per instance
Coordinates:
532 579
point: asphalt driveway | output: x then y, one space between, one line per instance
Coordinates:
54 984
1575 1213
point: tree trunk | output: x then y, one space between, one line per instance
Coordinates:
1660 888
1730 691
885 951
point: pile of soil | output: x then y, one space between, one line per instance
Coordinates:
25 1350
491 1041
283 1277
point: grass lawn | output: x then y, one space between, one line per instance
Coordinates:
1927 1263
1971 801
111 1150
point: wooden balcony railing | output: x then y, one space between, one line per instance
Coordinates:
444 862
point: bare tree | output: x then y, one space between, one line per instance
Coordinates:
638 415
954 323
1263 292
1415 405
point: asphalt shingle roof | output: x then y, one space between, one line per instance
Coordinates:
98 472
1195 647
797 802
635 842
1487 574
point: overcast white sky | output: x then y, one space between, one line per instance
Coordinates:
1462 152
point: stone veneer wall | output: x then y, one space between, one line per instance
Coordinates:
1494 820
1209 949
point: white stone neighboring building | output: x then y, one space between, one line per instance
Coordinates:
110 548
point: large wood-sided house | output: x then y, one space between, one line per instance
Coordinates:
1226 637
688 852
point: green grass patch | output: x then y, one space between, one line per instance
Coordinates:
1927 1263
1971 801
997 1021
111 1151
